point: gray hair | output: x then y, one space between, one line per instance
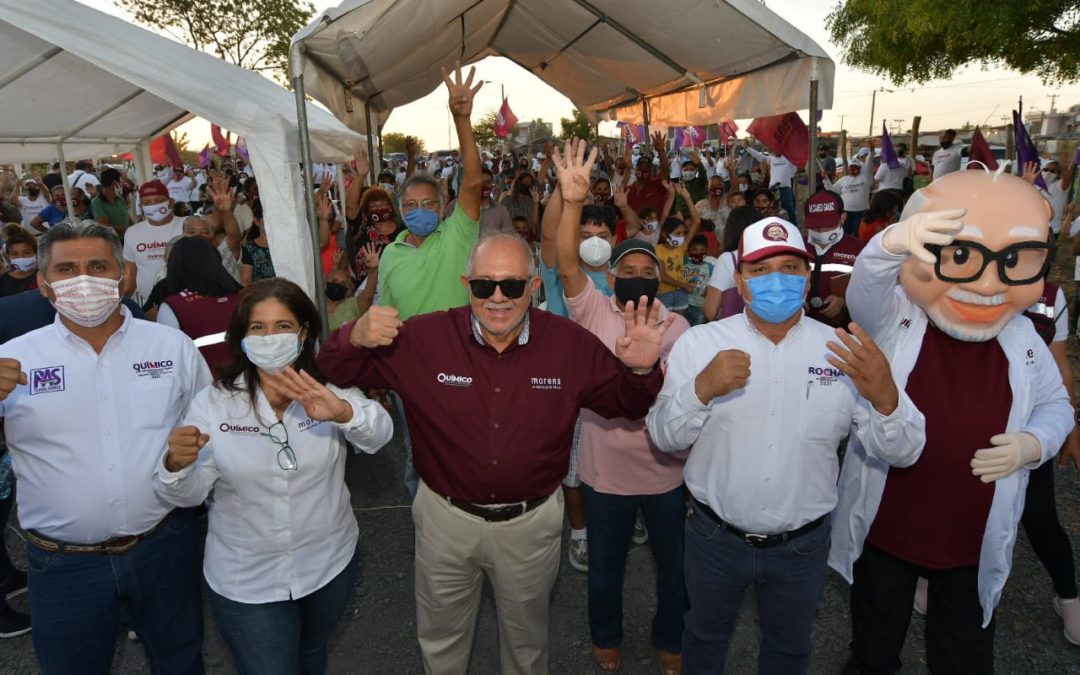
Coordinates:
422 179
70 230
486 239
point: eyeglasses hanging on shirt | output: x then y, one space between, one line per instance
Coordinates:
286 458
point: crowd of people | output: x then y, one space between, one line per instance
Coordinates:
755 401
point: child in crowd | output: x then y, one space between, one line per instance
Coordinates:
696 272
675 237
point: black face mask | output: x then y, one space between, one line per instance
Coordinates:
946 144
525 188
33 192
335 292
630 289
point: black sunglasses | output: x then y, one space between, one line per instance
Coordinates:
485 288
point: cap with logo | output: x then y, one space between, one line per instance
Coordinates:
153 188
823 210
628 246
769 237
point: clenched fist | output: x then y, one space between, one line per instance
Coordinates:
377 328
729 370
11 376
184 446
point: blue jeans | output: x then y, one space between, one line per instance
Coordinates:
787 202
852 222
694 315
286 637
788 580
78 599
610 523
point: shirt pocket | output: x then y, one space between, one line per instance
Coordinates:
825 416
153 402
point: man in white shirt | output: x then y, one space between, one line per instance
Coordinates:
854 189
893 179
763 465
145 241
782 173
88 404
180 186
32 203
946 159
83 177
1057 193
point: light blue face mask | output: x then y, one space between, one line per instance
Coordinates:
421 222
776 297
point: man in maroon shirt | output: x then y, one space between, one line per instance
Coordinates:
489 499
834 257
648 189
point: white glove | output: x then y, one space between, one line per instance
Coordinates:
928 227
1010 452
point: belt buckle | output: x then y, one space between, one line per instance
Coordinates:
755 540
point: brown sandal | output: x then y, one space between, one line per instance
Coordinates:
670 664
608 660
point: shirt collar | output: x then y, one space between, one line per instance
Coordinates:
66 333
791 331
523 336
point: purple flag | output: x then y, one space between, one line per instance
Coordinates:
1076 157
888 152
204 157
241 149
1025 149
680 138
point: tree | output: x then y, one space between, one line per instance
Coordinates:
484 129
916 41
538 128
576 126
253 34
395 142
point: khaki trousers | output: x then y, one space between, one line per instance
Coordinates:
454 550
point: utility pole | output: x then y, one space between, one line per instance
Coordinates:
1053 100
842 122
899 124
873 102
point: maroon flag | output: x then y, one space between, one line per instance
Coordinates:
172 153
222 142
783 135
505 120
728 128
980 152
693 136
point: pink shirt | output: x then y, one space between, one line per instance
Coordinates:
617 455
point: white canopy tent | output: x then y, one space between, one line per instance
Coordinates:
77 83
689 61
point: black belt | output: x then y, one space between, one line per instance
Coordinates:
497 514
759 540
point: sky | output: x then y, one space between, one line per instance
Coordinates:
974 94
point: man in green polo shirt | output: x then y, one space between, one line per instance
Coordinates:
420 271
109 206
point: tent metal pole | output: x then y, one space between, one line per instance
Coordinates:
341 195
63 176
811 175
645 121
309 201
140 155
374 167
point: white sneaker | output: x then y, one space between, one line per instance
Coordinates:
1069 611
641 535
578 553
920 596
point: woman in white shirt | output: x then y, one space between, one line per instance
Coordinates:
266 439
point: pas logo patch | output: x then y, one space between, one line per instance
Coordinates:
46 380
776 233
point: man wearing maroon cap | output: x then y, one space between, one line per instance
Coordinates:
762 467
145 241
834 254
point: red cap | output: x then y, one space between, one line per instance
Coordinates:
823 210
153 188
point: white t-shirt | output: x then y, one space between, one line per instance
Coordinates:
144 245
893 179
1058 196
200 180
29 209
179 190
723 274
946 161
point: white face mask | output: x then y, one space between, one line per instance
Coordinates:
743 187
594 251
389 187
23 264
156 212
676 241
86 300
824 238
651 225
272 352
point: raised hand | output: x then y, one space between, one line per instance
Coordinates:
324 209
319 402
659 141
371 259
640 346
363 163
218 189
184 446
11 376
668 185
862 361
618 195
411 144
535 192
377 328
727 371
1031 171
461 93
573 170
929 227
